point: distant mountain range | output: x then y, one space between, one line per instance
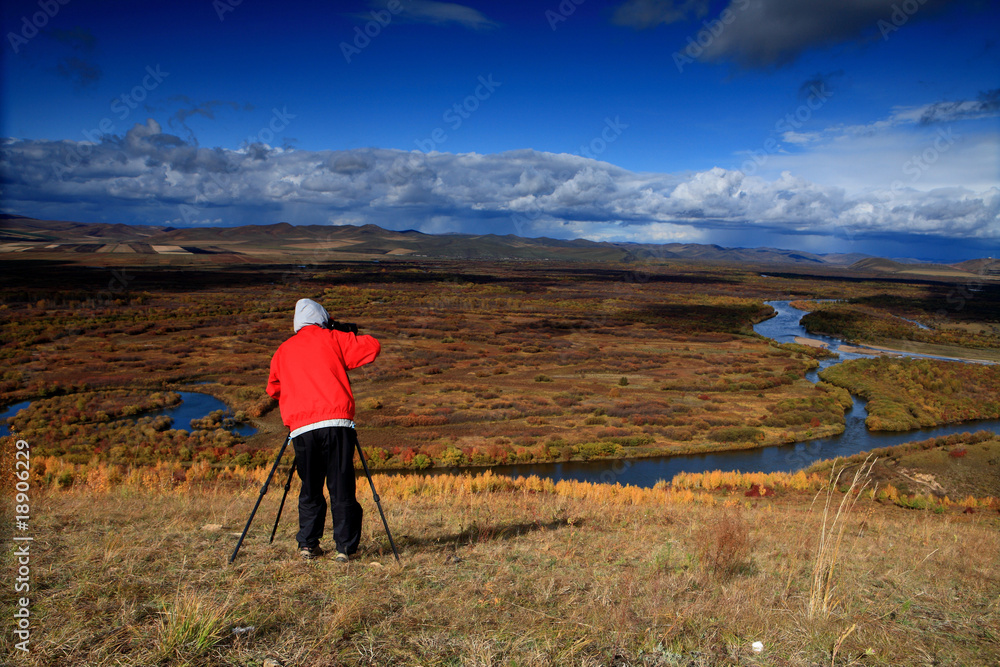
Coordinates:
283 242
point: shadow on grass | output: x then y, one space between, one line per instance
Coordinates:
26 279
484 533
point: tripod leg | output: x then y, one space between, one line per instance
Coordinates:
378 502
263 490
288 484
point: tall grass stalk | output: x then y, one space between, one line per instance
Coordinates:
190 626
831 537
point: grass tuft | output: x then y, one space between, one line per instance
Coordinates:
822 598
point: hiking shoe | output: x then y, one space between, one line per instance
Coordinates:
309 553
342 558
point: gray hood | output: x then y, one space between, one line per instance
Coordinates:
309 312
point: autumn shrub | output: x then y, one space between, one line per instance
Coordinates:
413 419
910 393
371 403
376 456
724 545
589 450
450 458
736 434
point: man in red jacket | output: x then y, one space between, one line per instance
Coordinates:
309 380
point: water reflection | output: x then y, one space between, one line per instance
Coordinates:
8 413
193 405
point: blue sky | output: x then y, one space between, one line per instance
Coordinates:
816 125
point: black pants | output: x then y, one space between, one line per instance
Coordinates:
327 455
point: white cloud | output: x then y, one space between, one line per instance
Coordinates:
439 13
151 177
800 138
924 146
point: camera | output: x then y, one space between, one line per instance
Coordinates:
346 327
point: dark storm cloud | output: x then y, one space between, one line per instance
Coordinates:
643 14
79 39
80 66
819 82
80 72
767 33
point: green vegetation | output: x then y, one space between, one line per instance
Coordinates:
109 426
860 322
957 466
904 394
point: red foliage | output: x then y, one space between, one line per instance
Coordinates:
758 491
413 419
957 453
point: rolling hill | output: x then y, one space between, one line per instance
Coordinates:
25 237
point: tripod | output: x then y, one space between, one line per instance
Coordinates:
263 490
288 484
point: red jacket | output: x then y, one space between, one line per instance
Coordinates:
309 374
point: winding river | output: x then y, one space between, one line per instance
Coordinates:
784 328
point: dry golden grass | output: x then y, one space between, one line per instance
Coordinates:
503 572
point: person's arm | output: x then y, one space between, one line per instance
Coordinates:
358 350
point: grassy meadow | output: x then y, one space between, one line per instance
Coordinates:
131 569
